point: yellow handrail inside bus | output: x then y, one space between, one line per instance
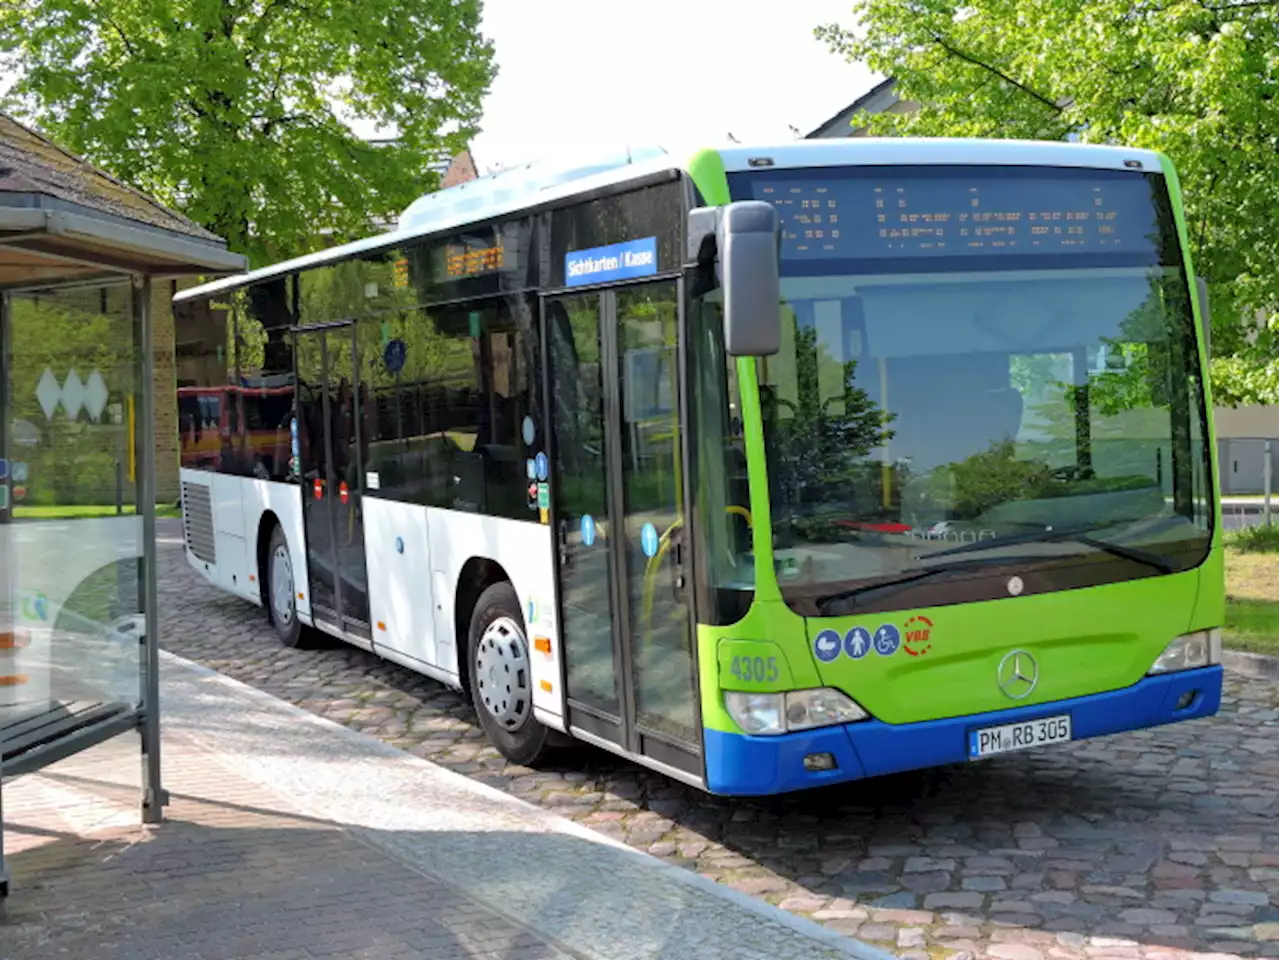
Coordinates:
664 544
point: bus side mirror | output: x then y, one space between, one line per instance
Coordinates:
1202 293
745 238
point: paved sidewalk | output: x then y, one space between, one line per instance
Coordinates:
290 837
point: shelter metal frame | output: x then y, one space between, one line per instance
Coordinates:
48 244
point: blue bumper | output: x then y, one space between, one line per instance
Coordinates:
741 765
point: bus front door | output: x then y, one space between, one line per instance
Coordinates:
618 513
332 474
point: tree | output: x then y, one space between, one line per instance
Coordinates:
1195 79
232 111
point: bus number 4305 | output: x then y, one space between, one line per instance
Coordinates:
754 669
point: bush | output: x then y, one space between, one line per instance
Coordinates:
1259 539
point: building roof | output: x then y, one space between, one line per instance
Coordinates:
876 100
62 217
33 165
459 170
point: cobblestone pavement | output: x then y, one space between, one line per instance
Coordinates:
1143 845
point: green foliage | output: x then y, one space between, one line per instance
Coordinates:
1263 538
237 113
1194 79
997 475
990 478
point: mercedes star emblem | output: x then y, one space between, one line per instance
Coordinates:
1017 674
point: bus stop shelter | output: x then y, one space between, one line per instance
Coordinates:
87 269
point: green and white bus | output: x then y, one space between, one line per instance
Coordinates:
767 468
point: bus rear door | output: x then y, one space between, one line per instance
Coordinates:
332 472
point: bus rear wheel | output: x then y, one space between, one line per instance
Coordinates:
500 680
282 606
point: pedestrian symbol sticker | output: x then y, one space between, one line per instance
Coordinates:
541 465
20 471
887 640
826 646
649 539
588 530
531 469
857 643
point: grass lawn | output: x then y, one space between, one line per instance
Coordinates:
84 511
1252 602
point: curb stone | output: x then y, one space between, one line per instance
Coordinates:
802 926
1251 664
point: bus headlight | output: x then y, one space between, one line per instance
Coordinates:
1189 651
769 714
823 707
757 713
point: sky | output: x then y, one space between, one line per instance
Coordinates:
581 76
586 75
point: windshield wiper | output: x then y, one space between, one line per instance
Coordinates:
902 581
1075 535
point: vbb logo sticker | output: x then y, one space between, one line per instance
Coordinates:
918 630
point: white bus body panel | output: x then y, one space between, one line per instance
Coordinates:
238 505
398 560
523 550
414 556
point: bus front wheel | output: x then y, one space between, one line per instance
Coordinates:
282 608
501 686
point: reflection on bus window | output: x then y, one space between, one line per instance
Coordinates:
447 429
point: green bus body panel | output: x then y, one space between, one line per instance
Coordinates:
1210 608
706 169
1086 641
757 666
768 625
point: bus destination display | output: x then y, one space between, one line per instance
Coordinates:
934 217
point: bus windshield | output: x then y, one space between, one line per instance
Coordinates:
984 384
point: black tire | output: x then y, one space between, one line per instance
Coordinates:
288 628
518 735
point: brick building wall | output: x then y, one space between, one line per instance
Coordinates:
461 169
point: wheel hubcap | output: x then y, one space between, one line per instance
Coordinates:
282 587
502 673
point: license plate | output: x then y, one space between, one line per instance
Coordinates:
989 741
